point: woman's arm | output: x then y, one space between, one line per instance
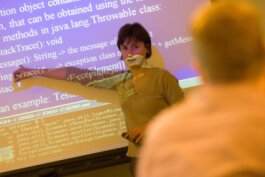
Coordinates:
171 88
65 73
99 79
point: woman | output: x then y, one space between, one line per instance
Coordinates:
144 91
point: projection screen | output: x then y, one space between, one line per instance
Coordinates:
44 120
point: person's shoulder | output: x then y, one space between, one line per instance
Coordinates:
157 69
161 72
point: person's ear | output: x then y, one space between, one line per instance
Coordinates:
148 47
198 68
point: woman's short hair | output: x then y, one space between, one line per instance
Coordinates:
135 31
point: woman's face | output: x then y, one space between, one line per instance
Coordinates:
130 48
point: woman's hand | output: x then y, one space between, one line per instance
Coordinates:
136 135
23 73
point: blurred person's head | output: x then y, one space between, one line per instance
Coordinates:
228 41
